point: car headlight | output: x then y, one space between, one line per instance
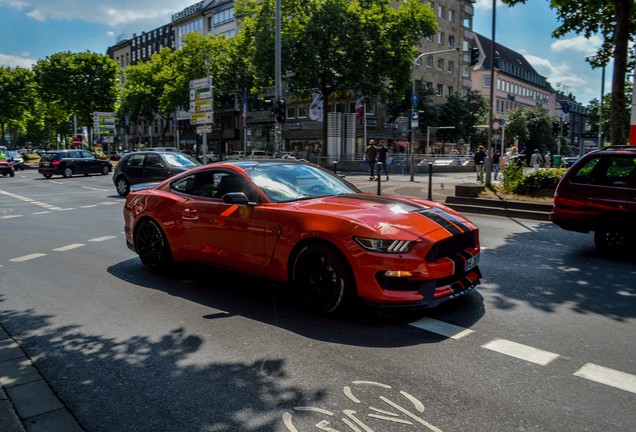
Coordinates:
384 246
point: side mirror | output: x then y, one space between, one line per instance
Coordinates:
238 198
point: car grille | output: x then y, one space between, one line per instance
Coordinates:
452 246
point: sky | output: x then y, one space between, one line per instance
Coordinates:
34 29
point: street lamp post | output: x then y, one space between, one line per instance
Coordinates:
414 106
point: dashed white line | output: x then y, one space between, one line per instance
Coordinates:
10 216
69 247
42 212
520 351
100 239
442 328
89 206
27 257
607 376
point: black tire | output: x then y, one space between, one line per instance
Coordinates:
152 247
68 172
11 172
47 175
105 170
614 238
123 186
323 278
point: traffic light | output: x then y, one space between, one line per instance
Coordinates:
474 56
556 128
566 129
281 110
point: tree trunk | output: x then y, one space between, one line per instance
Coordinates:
621 38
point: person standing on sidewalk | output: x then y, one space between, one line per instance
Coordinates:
536 159
371 154
480 159
382 152
496 160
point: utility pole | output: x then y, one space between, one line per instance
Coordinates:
278 132
492 97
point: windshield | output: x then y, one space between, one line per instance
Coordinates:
180 160
291 182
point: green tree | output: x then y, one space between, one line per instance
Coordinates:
331 46
18 95
78 83
464 113
532 127
615 21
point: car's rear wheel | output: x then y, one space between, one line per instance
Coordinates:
11 172
68 172
614 239
152 246
123 186
323 278
105 170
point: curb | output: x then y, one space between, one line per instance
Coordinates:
515 209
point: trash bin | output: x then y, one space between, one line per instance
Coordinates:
556 161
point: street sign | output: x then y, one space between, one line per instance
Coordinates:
414 100
415 120
201 83
204 129
200 93
201 118
201 105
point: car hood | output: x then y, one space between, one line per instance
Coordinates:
390 216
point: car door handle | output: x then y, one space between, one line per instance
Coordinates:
190 214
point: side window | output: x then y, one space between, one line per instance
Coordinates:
234 183
74 154
154 161
135 160
183 185
584 174
88 155
620 170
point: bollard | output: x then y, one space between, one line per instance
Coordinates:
335 164
430 181
379 167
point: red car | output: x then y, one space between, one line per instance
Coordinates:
290 221
598 193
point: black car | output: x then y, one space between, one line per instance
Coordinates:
69 162
149 167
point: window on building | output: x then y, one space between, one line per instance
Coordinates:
440 90
440 63
441 11
429 86
440 38
451 15
465 70
223 17
429 61
451 91
451 41
451 66
486 82
291 112
468 22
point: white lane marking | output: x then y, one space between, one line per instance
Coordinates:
520 351
95 189
89 206
10 216
100 239
69 247
108 202
27 257
607 376
42 212
442 328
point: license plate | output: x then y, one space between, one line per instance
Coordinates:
472 262
46 163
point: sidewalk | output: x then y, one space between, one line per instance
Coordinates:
27 402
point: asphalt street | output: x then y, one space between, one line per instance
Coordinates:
96 342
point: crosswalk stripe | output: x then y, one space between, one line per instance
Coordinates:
607 376
69 247
442 328
27 257
520 351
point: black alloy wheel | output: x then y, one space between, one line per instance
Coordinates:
323 278
105 170
152 247
614 239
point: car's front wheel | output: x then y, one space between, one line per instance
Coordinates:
614 239
123 186
68 172
105 170
152 247
323 278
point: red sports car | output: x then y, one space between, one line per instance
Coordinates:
290 221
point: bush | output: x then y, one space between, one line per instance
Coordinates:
538 180
512 176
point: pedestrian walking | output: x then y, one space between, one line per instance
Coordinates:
371 154
536 160
480 159
548 159
496 160
382 153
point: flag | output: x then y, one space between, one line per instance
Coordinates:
360 111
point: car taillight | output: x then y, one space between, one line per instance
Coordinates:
55 163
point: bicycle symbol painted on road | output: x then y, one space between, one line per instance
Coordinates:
389 411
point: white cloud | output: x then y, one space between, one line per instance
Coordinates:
111 12
13 61
588 47
486 4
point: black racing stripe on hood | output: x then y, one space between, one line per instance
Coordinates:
442 218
